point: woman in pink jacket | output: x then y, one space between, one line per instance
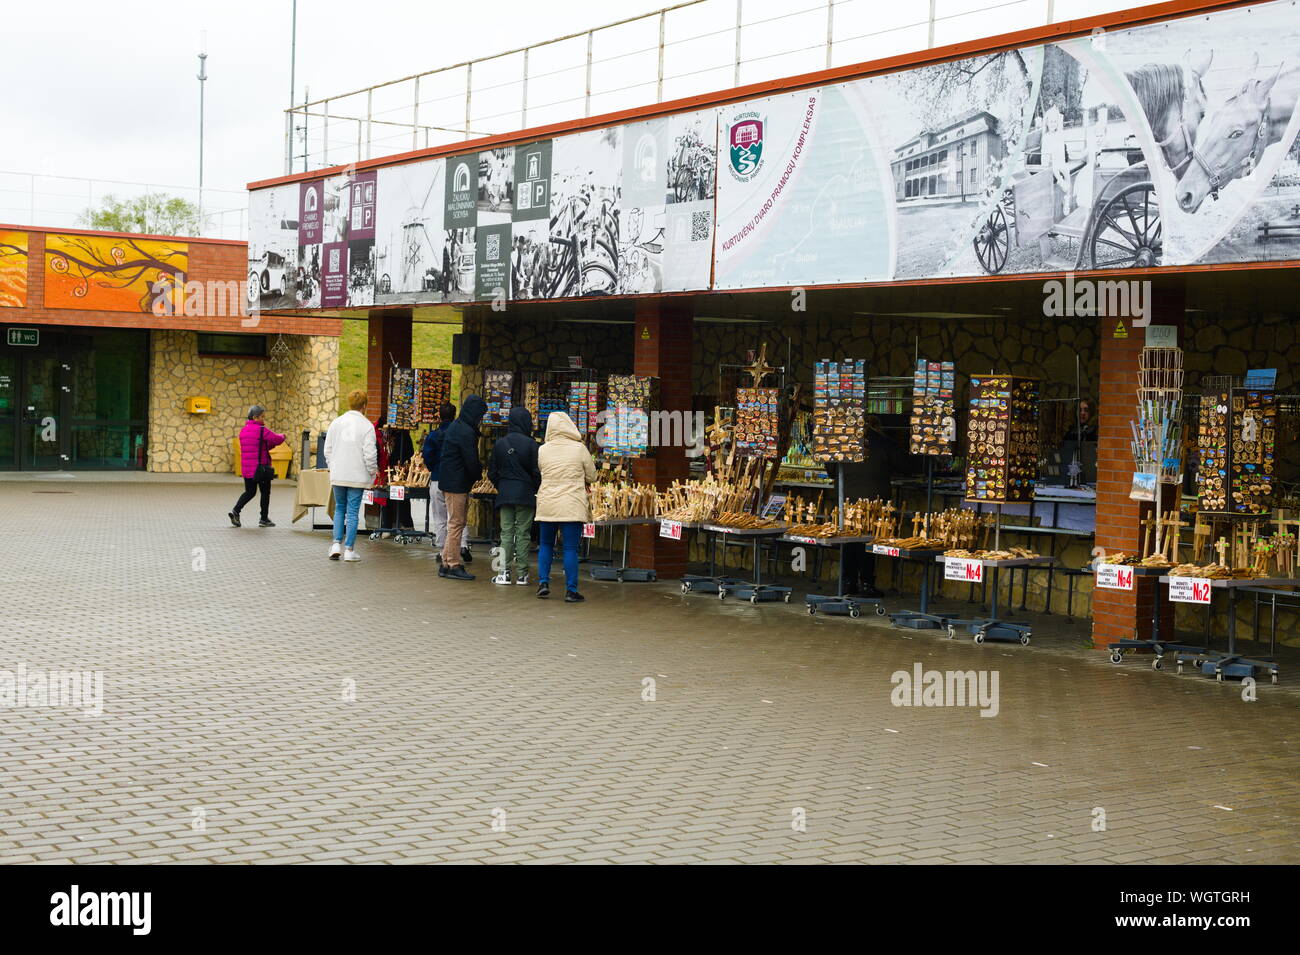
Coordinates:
255 443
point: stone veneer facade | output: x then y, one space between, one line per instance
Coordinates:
300 393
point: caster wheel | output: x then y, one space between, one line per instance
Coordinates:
1157 664
855 613
1218 676
979 637
1180 669
1024 639
880 610
722 594
952 632
812 611
686 588
754 599
374 537
787 598
1117 657
1274 678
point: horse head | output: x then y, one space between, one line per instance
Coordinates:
1229 142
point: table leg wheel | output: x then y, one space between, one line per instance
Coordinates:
952 632
979 636
1024 639
1274 678
787 598
753 598
686 588
1158 664
1116 656
1180 668
1218 675
880 610
812 611
855 612
722 594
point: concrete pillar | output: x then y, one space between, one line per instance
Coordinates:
388 342
1118 613
663 341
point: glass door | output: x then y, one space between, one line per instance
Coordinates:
38 433
9 412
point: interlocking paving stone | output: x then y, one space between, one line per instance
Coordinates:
370 712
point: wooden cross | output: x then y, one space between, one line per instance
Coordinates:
1149 524
916 524
760 369
1175 533
1222 548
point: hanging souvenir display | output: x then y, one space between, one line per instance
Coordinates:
432 391
1002 438
934 407
1236 446
584 405
757 421
630 400
839 399
401 398
498 386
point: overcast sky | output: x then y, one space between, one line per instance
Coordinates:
109 90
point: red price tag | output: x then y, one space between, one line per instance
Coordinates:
588 530
671 529
1114 577
1189 590
397 492
959 568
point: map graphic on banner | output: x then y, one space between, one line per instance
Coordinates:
1169 144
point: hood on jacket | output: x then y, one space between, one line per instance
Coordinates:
560 426
473 410
521 422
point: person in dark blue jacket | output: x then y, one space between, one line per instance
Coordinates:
459 469
431 453
512 468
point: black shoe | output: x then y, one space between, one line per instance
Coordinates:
234 518
573 597
543 590
458 573
442 571
266 522
466 555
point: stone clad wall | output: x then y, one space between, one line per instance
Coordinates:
303 396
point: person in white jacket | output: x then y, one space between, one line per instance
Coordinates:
352 454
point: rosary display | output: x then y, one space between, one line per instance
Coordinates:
839 399
934 409
630 399
498 386
1002 439
758 421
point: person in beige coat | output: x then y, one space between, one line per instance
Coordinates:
567 469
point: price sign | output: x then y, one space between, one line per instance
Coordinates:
882 549
1114 577
588 530
397 492
960 568
671 529
367 497
1189 590
804 540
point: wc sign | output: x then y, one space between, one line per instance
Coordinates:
1189 590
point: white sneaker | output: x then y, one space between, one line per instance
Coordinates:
336 548
522 581
501 579
351 555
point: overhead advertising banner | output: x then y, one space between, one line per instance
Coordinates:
13 269
1169 144
115 273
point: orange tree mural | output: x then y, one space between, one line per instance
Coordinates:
13 269
115 273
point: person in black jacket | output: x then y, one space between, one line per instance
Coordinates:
431 452
459 469
513 469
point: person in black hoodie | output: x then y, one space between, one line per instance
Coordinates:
513 470
459 469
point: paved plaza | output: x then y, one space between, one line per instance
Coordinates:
262 704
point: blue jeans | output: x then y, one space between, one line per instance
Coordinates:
571 534
347 507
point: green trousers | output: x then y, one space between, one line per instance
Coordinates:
516 531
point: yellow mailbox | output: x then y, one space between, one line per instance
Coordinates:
198 405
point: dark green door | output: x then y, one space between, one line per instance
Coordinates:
9 416
39 433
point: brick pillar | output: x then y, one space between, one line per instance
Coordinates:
663 341
1118 613
388 340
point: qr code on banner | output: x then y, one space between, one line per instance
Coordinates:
493 251
700 226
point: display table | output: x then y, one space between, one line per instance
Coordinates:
754 591
991 627
920 619
623 573
313 490
1156 645
1230 662
840 604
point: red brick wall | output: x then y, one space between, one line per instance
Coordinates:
663 340
388 341
1120 614
209 260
